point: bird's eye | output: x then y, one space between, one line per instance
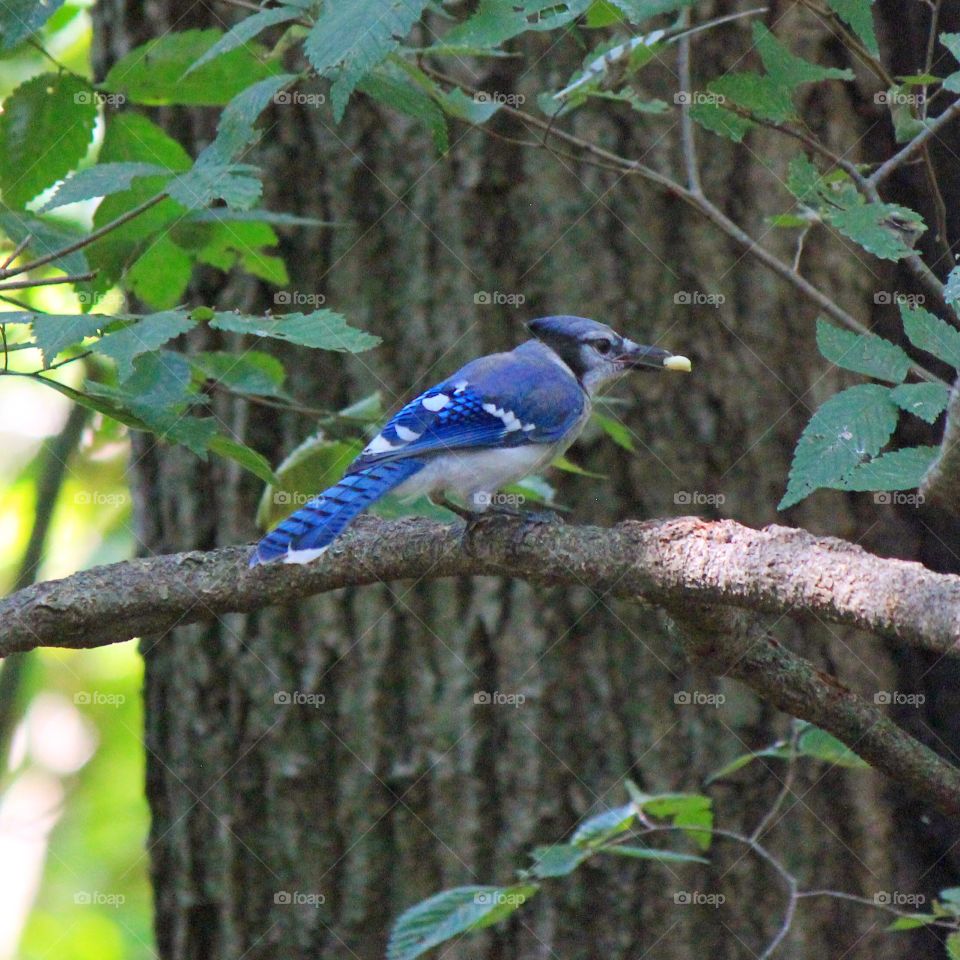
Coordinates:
602 346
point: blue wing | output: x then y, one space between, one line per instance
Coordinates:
503 400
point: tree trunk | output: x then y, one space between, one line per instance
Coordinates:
301 829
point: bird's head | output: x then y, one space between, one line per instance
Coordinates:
597 354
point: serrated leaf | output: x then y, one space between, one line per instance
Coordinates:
896 470
603 826
153 73
849 428
322 329
55 332
20 18
160 276
616 431
721 121
497 21
930 333
651 853
46 237
143 335
396 92
252 372
803 179
784 67
858 15
237 184
101 181
875 227
924 400
760 95
235 128
692 812
862 352
349 39
447 914
243 32
240 453
45 129
558 860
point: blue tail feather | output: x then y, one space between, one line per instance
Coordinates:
324 517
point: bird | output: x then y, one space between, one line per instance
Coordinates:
494 421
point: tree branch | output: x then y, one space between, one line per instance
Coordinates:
713 578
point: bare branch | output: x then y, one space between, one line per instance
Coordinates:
898 159
941 485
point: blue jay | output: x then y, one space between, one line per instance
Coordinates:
494 421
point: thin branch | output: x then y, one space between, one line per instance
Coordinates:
931 130
45 282
84 241
785 787
688 143
17 250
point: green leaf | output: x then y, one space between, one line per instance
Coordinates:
924 400
930 333
445 915
651 853
568 466
558 860
636 11
803 179
603 826
349 39
237 184
858 15
897 470
313 466
243 32
912 922
161 275
820 745
862 352
721 121
55 332
223 216
252 372
784 67
497 21
850 427
46 237
101 181
471 109
953 946
145 334
240 453
760 95
396 92
45 130
949 899
692 812
616 431
322 329
153 73
20 18
877 227
235 128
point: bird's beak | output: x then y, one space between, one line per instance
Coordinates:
637 357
